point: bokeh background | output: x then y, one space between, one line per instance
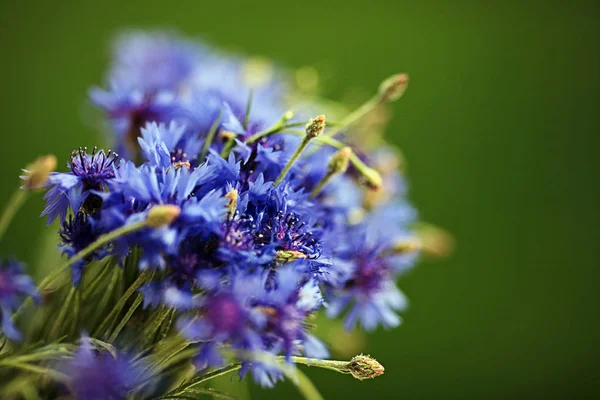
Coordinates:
500 129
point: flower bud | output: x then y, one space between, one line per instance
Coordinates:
392 88
435 241
162 215
365 367
339 161
315 127
406 246
232 196
36 173
372 178
285 256
287 116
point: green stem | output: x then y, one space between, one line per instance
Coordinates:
305 386
368 172
210 136
276 127
292 160
126 318
321 184
14 204
59 322
227 147
248 108
354 116
200 380
337 366
34 368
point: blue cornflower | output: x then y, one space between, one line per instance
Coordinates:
90 174
250 312
15 286
136 189
100 376
366 284
164 146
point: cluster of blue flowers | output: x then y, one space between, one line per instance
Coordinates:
272 224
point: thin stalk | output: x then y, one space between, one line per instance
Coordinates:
34 368
14 204
144 277
60 318
368 172
136 303
210 136
305 385
248 108
321 184
292 160
276 127
355 115
200 380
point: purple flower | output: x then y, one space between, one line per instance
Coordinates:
100 376
90 174
366 283
15 286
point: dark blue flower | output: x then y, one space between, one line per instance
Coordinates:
15 286
366 281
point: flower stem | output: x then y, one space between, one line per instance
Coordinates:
371 175
276 127
201 379
354 116
14 204
292 160
305 386
144 277
59 322
248 108
210 136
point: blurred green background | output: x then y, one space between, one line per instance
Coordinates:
500 128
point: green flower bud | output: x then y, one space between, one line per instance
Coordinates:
364 367
393 87
162 215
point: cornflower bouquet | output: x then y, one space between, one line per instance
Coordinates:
231 223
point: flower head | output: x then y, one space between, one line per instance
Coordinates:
99 376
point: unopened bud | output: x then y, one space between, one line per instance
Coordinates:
315 127
365 367
392 88
435 241
232 196
227 135
372 178
285 256
162 215
339 161
287 116
36 173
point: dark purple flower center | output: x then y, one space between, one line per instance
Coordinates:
224 314
93 169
